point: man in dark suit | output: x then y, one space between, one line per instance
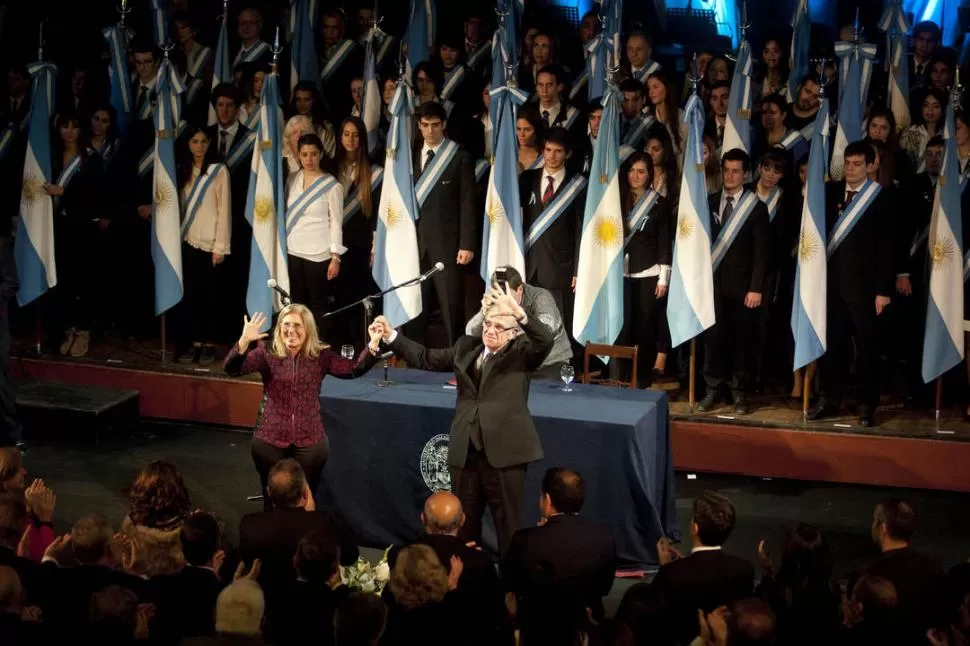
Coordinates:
240 610
565 550
926 38
10 431
493 436
740 230
554 112
552 226
343 59
447 228
707 578
860 221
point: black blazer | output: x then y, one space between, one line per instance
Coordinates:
568 551
448 214
704 580
67 610
9 282
336 89
551 261
186 604
918 579
498 403
745 264
238 191
862 267
919 195
652 245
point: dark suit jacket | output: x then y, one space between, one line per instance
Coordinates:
9 282
567 551
653 244
308 609
862 267
551 261
498 403
186 604
919 581
448 216
337 88
745 264
67 609
224 639
704 580
238 192
919 194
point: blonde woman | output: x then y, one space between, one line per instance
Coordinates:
420 594
295 128
292 366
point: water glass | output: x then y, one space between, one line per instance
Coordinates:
347 351
566 373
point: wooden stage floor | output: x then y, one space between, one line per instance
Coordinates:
907 448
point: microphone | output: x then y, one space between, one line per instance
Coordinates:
272 284
438 266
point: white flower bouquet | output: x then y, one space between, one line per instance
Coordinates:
367 577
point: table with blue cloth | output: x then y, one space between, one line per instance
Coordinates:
388 452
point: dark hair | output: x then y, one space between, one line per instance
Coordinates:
359 620
625 195
936 141
200 536
185 159
531 114
884 113
736 154
670 103
362 160
860 148
805 585
640 34
879 600
432 110
226 91
595 105
512 277
773 159
920 97
927 27
714 516
553 44
659 132
808 78
555 70
11 461
112 132
319 111
716 85
899 518
317 556
144 46
247 77
632 85
452 40
62 119
13 516
158 498
565 489
433 74
750 622
776 100
184 17
333 13
558 135
286 479
113 613
309 139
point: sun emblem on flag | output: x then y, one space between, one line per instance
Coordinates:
32 189
391 216
685 228
495 212
263 209
609 230
808 245
163 196
942 252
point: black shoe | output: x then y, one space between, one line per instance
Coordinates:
741 405
867 416
207 356
189 356
708 403
822 409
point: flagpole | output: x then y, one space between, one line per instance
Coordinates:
693 373
805 393
40 57
939 397
166 48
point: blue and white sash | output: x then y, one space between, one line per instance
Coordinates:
625 151
639 215
191 207
67 174
481 167
540 162
296 208
806 132
252 118
340 54
448 106
791 139
476 57
571 115
578 85
639 129
651 67
147 161
918 240
6 139
848 219
195 74
252 54
352 205
729 233
240 147
429 178
554 209
772 202
453 82
108 150
385 47
145 108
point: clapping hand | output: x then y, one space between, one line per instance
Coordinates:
666 552
457 567
40 500
252 330
385 326
503 304
252 575
376 333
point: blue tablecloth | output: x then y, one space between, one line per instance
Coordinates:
388 449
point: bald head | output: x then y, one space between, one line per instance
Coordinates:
10 590
442 514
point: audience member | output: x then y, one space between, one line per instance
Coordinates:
419 594
115 617
239 616
18 624
158 505
360 620
747 622
870 613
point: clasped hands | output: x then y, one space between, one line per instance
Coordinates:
500 302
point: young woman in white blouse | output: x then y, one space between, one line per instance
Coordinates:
314 228
206 234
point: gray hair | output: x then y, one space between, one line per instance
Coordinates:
240 608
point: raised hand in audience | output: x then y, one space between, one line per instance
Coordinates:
125 550
252 575
58 548
23 547
457 567
666 552
40 500
143 618
765 558
713 626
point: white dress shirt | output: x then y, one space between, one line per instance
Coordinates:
734 206
211 230
553 111
319 231
424 153
230 135
557 179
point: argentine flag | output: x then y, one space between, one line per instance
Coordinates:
118 76
808 317
690 298
304 65
221 71
598 310
801 39
396 244
600 48
160 23
33 247
737 129
166 218
855 71
266 207
419 38
370 105
896 26
943 340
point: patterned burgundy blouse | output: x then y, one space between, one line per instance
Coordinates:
291 387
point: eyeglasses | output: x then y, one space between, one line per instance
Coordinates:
489 325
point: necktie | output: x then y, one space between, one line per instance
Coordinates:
142 95
849 195
545 117
427 160
223 143
638 74
549 192
720 132
728 209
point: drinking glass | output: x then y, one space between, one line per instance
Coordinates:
566 373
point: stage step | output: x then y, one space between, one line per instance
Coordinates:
45 406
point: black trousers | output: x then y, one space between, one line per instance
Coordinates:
10 431
848 321
353 283
309 286
478 484
79 253
312 458
204 285
444 291
728 345
642 323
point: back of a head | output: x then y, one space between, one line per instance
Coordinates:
750 623
442 513
360 620
317 556
11 592
879 601
90 537
644 614
418 578
806 557
113 614
285 484
200 535
556 615
239 608
13 516
714 517
898 517
565 488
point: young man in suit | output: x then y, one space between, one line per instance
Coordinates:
342 60
740 230
10 431
860 221
493 437
565 549
707 578
447 229
553 111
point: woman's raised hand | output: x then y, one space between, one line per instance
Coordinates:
252 329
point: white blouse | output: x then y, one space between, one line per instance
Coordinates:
211 230
319 231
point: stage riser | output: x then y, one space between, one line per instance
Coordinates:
719 448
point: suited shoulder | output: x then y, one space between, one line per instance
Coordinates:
529 175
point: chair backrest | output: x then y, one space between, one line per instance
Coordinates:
614 352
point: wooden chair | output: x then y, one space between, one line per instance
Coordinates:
613 352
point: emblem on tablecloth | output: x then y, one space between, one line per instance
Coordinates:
434 464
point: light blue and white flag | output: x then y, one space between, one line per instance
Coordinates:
896 26
808 317
266 206
737 129
371 103
420 34
603 48
855 71
598 310
304 64
943 340
798 61
502 227
121 101
34 245
396 243
159 14
221 71
690 300
166 218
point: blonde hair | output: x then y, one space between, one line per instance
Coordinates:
10 463
239 608
418 578
311 346
300 121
